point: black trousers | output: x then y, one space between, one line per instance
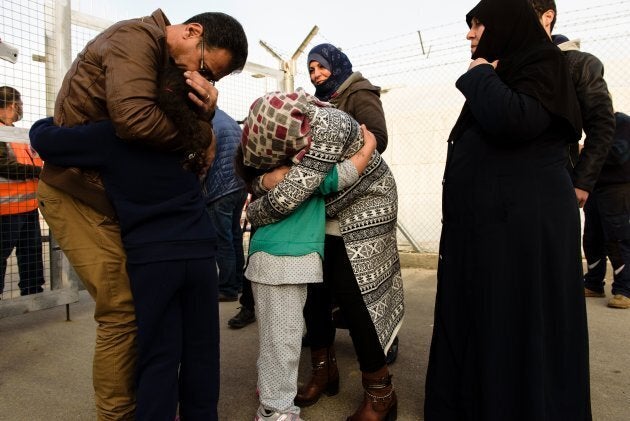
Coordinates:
22 232
607 235
177 313
340 287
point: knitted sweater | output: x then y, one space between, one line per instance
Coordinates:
297 241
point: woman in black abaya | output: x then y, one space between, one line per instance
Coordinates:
510 337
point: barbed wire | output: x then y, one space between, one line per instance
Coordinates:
410 46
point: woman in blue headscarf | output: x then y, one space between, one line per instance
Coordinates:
331 73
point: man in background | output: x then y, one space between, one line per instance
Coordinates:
225 197
587 72
607 221
598 119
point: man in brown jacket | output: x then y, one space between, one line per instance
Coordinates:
116 77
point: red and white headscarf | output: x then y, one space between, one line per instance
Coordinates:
277 129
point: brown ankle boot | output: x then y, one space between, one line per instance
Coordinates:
324 377
379 400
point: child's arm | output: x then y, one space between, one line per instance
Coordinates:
80 146
342 175
347 172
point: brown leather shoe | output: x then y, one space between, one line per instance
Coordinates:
619 301
379 399
324 377
591 293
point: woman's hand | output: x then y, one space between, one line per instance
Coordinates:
476 62
206 94
275 176
369 140
363 155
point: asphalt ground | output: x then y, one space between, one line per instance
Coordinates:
46 362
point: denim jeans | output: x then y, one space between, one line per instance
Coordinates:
22 232
607 235
225 213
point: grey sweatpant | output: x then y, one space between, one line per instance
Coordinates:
281 326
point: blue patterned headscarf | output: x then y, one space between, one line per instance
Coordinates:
333 59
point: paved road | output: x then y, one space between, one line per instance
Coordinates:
45 363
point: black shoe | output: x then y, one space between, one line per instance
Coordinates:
244 317
306 341
390 358
227 298
31 290
338 320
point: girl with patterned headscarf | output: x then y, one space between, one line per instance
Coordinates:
363 228
285 256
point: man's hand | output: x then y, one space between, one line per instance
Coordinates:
207 94
582 196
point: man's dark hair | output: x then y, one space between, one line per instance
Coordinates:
223 31
8 96
193 134
541 6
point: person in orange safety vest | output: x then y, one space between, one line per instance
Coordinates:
19 218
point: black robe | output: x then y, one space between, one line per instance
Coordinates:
510 338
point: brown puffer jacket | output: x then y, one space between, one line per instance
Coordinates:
115 77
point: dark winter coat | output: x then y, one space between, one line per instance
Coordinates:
616 169
159 204
221 179
587 73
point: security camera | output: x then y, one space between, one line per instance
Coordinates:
8 52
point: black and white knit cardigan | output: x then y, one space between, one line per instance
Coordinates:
366 212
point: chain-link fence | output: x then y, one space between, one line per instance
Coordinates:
417 72
25 260
38 41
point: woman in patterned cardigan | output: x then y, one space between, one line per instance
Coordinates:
365 275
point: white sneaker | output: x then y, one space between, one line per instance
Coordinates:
263 414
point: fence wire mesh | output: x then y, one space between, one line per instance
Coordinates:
24 235
417 73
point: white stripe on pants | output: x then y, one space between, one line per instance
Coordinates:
281 326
